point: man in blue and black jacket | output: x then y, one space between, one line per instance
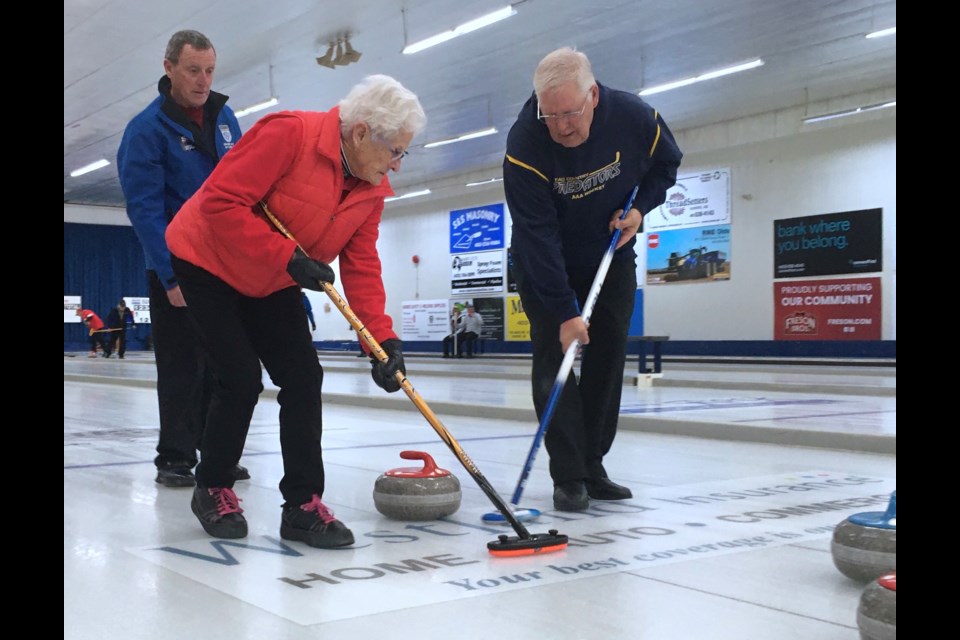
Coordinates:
574 155
166 153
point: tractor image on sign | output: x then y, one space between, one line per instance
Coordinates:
696 264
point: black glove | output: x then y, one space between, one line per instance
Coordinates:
309 273
383 372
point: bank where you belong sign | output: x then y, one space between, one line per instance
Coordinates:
828 244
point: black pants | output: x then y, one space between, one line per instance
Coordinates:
118 341
97 339
463 338
584 421
238 333
182 379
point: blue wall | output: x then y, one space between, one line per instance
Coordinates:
101 263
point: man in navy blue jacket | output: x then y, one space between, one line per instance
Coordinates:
573 156
167 152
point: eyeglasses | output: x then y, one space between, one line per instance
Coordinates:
556 117
398 154
395 154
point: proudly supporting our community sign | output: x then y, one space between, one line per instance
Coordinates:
833 309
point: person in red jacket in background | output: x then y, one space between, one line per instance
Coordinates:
95 326
323 176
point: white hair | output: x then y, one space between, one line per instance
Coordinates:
385 105
561 67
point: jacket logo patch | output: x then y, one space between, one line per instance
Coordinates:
587 182
225 132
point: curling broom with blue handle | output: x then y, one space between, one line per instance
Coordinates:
565 367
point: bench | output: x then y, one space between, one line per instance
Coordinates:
657 342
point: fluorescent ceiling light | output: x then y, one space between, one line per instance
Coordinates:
477 184
850 112
466 27
892 31
467 136
753 64
412 194
93 166
260 106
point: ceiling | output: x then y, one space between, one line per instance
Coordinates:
813 50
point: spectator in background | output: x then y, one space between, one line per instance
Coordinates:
472 328
95 328
166 153
309 309
456 326
119 320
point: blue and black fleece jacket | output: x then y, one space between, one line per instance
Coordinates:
561 200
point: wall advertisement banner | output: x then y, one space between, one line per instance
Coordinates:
490 309
140 308
834 309
477 229
70 306
425 320
518 325
477 272
698 254
829 244
696 200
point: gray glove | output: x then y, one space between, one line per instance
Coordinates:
383 372
309 273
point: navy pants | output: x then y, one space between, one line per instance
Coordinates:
584 421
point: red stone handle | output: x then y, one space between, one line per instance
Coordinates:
429 469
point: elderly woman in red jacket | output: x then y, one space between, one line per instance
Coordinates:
323 175
95 325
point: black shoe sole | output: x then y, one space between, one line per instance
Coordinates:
605 494
176 483
571 506
317 540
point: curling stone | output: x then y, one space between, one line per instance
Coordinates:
877 613
417 493
864 545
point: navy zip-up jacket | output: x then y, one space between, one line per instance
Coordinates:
163 159
561 200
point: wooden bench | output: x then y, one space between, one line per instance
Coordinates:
657 342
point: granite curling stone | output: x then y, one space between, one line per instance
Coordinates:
417 493
864 545
877 613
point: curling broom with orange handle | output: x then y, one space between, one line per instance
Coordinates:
524 543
